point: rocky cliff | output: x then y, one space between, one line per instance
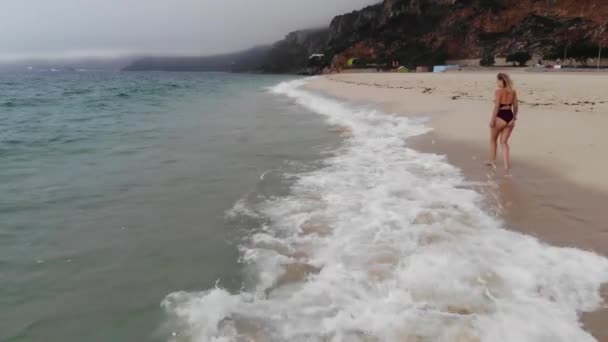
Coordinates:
428 31
424 32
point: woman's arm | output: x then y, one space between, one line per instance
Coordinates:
496 108
515 106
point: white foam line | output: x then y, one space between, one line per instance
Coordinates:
396 247
263 175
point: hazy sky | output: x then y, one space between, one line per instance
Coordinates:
76 28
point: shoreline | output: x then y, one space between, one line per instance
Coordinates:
459 106
556 189
538 202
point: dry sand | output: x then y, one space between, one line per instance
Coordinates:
558 189
562 123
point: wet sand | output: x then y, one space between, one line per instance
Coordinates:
549 193
537 202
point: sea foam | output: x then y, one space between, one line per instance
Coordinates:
384 243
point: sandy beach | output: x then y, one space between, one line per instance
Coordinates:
557 189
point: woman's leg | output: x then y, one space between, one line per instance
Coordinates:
506 149
499 125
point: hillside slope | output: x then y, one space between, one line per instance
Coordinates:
426 31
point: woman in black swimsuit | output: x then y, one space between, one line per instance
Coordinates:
503 118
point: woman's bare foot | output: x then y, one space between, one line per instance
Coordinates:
491 163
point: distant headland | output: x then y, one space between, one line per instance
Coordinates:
414 33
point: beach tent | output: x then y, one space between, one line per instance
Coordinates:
351 61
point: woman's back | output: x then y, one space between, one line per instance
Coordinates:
505 96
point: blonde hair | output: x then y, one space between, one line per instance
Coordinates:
506 81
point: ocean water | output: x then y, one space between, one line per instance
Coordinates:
114 189
215 207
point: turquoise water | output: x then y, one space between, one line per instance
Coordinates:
114 189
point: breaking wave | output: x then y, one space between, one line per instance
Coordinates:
384 243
